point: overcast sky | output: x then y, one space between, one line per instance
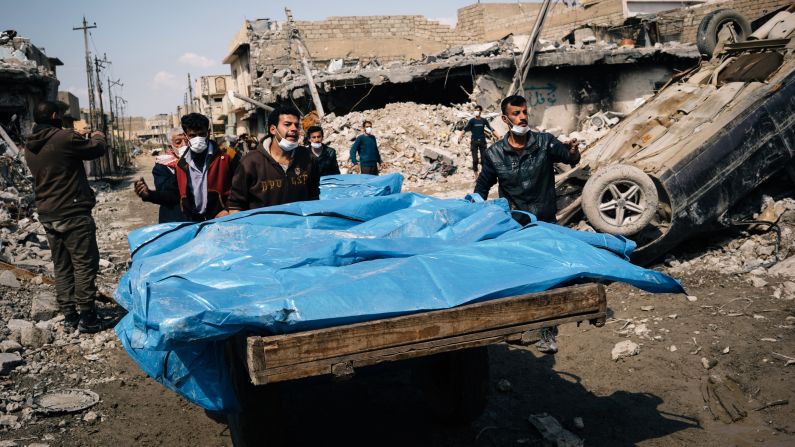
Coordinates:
153 45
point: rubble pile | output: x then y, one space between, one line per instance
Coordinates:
422 142
755 256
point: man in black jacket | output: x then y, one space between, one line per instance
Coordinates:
166 192
64 201
325 156
522 163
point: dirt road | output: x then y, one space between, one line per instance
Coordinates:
651 399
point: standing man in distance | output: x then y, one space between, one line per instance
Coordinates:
477 145
166 192
369 161
204 172
522 163
64 201
325 156
280 170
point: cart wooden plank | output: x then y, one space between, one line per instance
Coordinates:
331 350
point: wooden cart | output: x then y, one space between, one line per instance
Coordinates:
453 340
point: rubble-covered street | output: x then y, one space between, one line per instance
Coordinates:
732 334
636 148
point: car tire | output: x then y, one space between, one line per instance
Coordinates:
619 199
712 23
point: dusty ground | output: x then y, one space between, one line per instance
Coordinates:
650 399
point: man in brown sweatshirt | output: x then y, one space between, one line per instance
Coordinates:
64 201
279 171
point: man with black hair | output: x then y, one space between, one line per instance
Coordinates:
64 201
522 163
477 145
325 156
366 147
280 170
204 172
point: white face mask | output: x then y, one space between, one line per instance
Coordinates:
520 130
198 144
477 113
181 150
285 144
316 145
368 130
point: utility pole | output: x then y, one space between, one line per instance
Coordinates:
190 94
119 101
99 64
89 71
114 116
295 35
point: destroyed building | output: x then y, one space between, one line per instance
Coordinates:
600 55
27 76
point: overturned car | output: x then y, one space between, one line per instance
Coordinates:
682 160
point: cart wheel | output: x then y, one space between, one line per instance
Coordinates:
260 420
455 384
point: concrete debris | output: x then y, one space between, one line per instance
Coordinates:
8 279
44 307
623 349
417 140
9 361
10 346
34 337
553 431
757 255
708 363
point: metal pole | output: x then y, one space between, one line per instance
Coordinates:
529 52
89 71
295 35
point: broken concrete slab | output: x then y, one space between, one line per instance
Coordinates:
9 361
10 346
44 307
623 349
33 337
553 431
8 279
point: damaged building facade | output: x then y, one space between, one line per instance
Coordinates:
598 56
27 76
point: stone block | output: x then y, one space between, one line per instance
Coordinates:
44 307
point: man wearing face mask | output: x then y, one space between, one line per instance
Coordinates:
204 172
367 148
325 156
166 192
64 201
522 163
279 170
477 126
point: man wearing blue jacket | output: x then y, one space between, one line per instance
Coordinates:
369 159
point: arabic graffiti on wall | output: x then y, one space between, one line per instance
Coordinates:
541 95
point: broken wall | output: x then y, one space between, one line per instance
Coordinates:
563 98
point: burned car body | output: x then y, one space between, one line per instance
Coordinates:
704 143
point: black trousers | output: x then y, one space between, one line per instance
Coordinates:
73 242
477 147
372 170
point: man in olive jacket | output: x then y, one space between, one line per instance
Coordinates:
64 201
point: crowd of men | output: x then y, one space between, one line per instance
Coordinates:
197 180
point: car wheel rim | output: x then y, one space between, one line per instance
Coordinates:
622 203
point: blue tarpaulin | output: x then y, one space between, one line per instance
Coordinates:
349 186
318 264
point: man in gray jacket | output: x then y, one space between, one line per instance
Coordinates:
64 201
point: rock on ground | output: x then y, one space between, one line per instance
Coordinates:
626 348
